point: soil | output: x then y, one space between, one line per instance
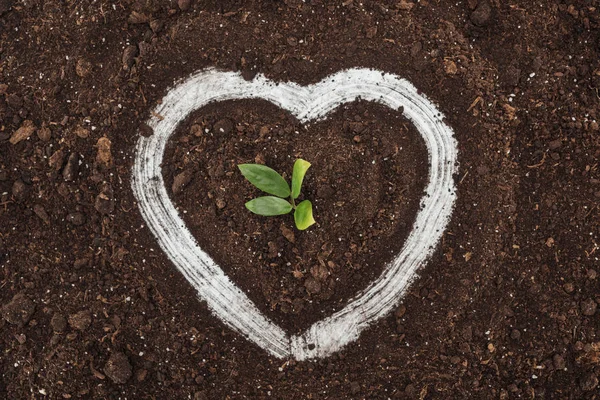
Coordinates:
505 308
366 180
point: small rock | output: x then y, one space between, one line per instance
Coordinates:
44 134
555 144
354 387
592 274
482 13
312 285
273 250
559 362
57 159
71 169
319 272
105 202
54 340
589 382
259 159
14 101
137 18
21 338
83 68
19 310
156 25
196 130
141 374
569 287
81 132
356 139
221 203
184 5
58 323
287 233
40 211
104 155
200 396
450 67
20 190
129 55
223 126
76 218
400 311
181 180
371 32
589 307
515 334
80 320
513 75
405 5
118 368
24 132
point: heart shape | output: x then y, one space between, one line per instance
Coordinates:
306 103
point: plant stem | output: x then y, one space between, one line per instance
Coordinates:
293 203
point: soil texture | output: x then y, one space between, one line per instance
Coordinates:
506 307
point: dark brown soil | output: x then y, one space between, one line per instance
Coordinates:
368 173
506 307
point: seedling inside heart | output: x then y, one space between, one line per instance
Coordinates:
270 181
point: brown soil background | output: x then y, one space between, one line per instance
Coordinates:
506 307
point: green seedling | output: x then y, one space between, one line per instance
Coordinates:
284 199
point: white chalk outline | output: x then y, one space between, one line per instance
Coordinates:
307 103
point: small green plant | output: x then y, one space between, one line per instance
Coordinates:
283 201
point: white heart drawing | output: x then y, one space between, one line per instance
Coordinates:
307 103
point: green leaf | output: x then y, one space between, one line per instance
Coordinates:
300 168
269 206
266 179
303 215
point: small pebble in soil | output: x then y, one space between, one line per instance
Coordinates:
181 180
21 338
129 55
23 133
184 5
40 211
76 218
58 323
515 334
312 285
221 203
569 287
104 155
588 382
400 311
118 368
80 320
44 134
558 361
71 169
105 203
20 190
287 233
482 13
589 307
19 311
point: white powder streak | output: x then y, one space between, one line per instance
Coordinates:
307 103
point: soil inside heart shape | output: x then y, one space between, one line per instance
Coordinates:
369 170
308 103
